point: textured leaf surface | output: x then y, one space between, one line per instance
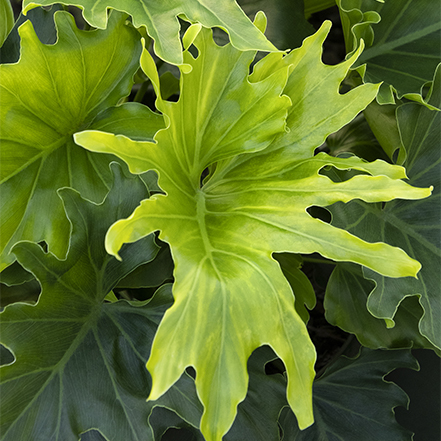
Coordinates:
79 360
160 19
353 402
50 93
230 294
413 225
403 39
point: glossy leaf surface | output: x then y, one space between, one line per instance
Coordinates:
160 19
72 350
353 401
413 225
230 294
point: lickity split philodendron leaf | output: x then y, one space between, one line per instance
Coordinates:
160 20
230 294
80 362
53 91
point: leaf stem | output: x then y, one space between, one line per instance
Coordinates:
141 91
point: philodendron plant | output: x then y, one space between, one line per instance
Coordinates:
158 186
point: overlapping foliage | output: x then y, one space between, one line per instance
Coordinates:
229 170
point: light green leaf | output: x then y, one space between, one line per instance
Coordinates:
415 226
53 91
6 19
230 294
162 24
403 43
353 402
256 417
79 360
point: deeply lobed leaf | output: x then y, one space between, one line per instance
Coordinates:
352 398
51 92
71 349
161 22
413 225
403 43
230 294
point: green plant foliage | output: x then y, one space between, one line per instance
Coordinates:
175 303
287 26
290 265
263 201
70 344
162 24
413 225
345 302
382 120
352 401
257 415
403 43
312 6
44 26
6 19
356 138
39 115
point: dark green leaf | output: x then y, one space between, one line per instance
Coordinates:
353 402
79 360
403 43
287 26
257 415
356 138
345 303
415 226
